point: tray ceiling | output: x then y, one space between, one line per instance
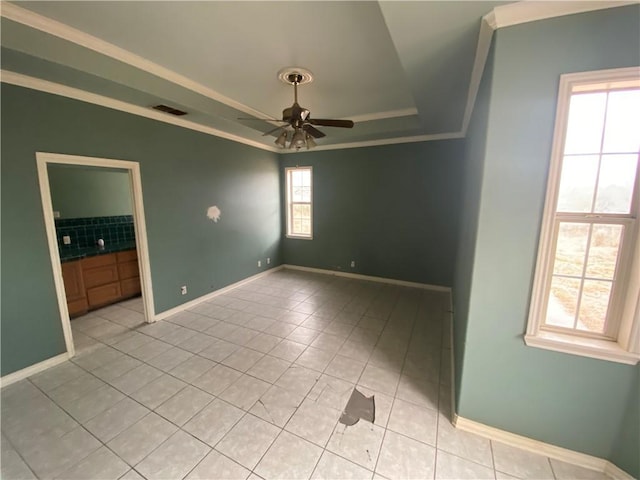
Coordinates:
403 71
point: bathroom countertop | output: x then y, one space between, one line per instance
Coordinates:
68 255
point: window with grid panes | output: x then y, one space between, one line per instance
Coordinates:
585 297
299 202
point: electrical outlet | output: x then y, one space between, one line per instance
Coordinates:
353 264
66 240
268 260
183 290
56 214
259 263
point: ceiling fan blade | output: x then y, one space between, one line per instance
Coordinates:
331 123
273 131
314 132
262 119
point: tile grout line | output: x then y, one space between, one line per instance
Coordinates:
194 354
246 412
79 424
13 447
282 430
393 401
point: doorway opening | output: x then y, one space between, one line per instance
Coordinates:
97 243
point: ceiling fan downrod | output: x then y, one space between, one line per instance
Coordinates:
295 79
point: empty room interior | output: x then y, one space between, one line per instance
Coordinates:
320 240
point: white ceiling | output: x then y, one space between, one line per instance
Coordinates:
402 70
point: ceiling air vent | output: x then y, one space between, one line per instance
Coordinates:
168 109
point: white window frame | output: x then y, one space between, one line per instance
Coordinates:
623 346
288 173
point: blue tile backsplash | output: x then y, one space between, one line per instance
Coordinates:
85 232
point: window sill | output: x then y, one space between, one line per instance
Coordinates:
586 347
299 237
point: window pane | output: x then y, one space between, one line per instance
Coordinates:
615 185
603 251
586 118
571 248
577 183
622 131
306 178
299 199
563 301
301 211
594 305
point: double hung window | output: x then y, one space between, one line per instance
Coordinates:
299 202
585 295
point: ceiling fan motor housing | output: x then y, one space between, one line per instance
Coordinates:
295 115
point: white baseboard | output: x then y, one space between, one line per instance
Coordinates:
452 380
33 369
192 303
616 472
370 278
52 362
552 451
541 448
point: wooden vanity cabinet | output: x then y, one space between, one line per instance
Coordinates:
129 273
101 279
74 288
94 282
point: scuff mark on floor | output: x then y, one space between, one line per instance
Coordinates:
266 410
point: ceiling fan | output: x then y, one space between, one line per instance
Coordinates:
299 118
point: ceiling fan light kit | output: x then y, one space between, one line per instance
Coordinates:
299 118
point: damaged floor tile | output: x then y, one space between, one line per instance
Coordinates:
358 407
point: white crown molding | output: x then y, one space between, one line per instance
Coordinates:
533 10
490 19
377 143
369 117
70 34
541 448
26 81
502 16
487 26
52 27
33 83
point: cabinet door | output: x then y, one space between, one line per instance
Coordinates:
127 256
74 288
99 260
104 294
128 270
77 307
94 277
73 282
130 287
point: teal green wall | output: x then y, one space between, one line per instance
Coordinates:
78 191
471 179
625 450
183 173
392 209
567 400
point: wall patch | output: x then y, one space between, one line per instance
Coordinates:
214 213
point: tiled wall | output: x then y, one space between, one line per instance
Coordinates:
85 232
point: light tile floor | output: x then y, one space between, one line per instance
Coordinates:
251 385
